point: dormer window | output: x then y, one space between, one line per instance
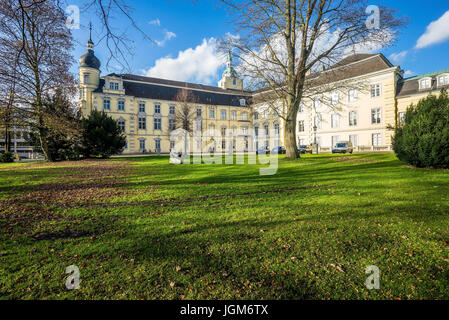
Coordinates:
443 80
113 85
425 83
242 102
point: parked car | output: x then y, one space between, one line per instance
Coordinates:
303 149
279 150
263 150
343 147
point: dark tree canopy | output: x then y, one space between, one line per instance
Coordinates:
423 139
102 136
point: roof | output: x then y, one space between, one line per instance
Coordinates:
410 86
161 89
180 84
347 68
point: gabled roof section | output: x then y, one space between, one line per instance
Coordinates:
350 67
410 86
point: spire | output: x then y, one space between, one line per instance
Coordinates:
90 43
230 71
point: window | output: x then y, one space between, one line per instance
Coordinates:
157 144
244 116
335 121
443 80
107 104
301 107
142 123
352 118
172 145
242 102
301 126
126 144
354 139
317 121
223 144
171 124
276 129
376 139
234 82
113 85
142 144
401 117
86 78
375 90
245 131
121 124
212 113
352 95
223 115
425 83
256 131
335 139
234 130
317 103
142 107
157 124
256 116
121 105
375 116
233 115
266 130
172 110
157 109
198 112
334 98
223 131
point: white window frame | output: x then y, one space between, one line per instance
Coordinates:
376 90
353 95
335 98
425 83
335 121
444 76
378 116
353 118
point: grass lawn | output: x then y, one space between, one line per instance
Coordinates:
140 228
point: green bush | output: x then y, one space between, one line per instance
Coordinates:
423 139
6 157
102 137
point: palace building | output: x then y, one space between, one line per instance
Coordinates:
359 99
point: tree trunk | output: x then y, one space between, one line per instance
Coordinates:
44 145
290 131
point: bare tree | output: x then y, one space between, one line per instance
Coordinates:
33 35
280 42
185 112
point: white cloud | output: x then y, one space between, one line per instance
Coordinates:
436 32
168 36
397 58
409 73
199 64
155 22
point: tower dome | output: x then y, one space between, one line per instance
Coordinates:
89 59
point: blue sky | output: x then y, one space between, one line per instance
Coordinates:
185 32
